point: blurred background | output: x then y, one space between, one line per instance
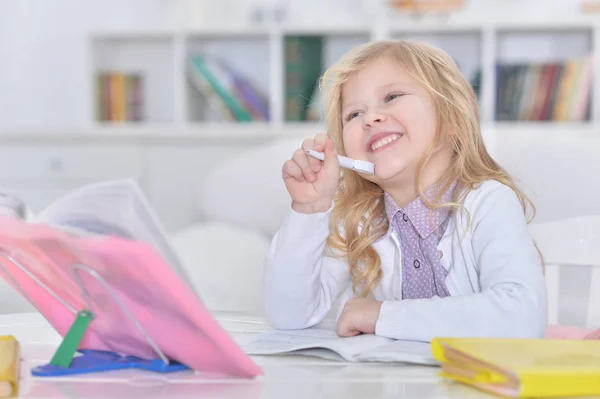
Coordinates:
201 101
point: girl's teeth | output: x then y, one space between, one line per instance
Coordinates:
384 141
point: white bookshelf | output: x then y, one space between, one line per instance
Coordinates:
172 101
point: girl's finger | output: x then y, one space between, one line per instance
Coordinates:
292 170
302 159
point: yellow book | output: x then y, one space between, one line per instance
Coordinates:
10 365
117 97
522 367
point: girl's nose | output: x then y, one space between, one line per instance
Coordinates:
371 119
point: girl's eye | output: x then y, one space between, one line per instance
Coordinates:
352 115
392 96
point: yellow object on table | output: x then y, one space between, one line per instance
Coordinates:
10 366
524 368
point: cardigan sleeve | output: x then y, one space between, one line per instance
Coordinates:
512 300
301 282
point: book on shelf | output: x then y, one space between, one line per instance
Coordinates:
119 96
552 91
303 68
226 93
475 81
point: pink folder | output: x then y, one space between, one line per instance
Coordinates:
162 303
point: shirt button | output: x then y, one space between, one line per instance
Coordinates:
416 264
405 217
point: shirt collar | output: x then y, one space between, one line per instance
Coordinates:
418 213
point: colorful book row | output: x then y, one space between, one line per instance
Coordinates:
227 94
545 91
119 96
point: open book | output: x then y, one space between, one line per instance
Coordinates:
100 248
116 208
325 343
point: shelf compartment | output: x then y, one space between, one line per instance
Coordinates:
133 79
543 75
228 78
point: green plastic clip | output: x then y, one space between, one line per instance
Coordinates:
65 352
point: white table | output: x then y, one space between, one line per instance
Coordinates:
285 376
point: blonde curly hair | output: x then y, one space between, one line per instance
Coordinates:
356 219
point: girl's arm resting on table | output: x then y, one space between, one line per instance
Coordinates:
300 282
512 301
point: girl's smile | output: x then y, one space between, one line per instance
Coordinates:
383 140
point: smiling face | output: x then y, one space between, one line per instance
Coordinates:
388 119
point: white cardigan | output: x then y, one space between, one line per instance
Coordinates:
495 276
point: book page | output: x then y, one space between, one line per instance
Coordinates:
401 351
117 208
322 353
352 347
290 341
280 341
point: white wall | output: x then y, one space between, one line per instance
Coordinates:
42 48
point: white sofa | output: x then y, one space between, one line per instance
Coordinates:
242 203
244 200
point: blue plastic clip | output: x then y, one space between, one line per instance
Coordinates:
94 361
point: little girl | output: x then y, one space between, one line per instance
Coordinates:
435 243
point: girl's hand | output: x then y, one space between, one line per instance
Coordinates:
358 317
311 182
